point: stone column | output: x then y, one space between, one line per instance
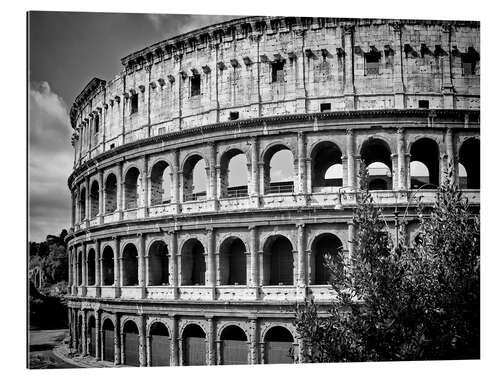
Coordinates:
301 163
175 181
119 191
70 268
450 151
211 353
349 89
70 326
254 341
173 269
174 344
84 270
141 266
210 260
117 340
142 341
351 162
74 327
351 245
448 89
254 258
148 350
301 269
402 168
85 338
212 175
98 332
254 188
98 268
100 214
117 268
75 270
145 186
73 210
87 200
398 79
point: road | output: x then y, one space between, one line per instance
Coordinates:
41 343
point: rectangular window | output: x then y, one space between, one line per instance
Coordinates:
468 65
195 84
423 104
111 146
234 115
277 71
325 107
161 131
96 124
134 103
372 63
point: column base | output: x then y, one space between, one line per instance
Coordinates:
98 292
117 292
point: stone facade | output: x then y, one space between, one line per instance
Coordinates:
207 265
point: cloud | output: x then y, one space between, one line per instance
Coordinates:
175 24
50 162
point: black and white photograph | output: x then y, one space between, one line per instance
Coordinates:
238 189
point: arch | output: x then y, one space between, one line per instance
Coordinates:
160 344
462 176
424 164
234 174
323 245
91 269
278 343
110 194
233 262
131 187
194 345
108 340
158 263
91 328
131 343
278 261
469 157
234 346
193 263
376 154
161 183
325 156
195 178
279 170
80 269
79 334
83 203
94 199
108 266
130 265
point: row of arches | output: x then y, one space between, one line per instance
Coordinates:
279 171
233 349
278 262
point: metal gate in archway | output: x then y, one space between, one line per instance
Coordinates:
131 348
234 352
195 351
278 352
160 350
92 343
108 339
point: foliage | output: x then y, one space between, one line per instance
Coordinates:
399 302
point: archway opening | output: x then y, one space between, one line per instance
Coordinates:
193 263
234 174
108 340
195 179
80 269
323 246
132 189
83 203
94 199
278 261
110 194
424 164
327 171
91 267
158 263
462 176
279 170
108 266
377 157
131 344
233 267
80 335
234 346
160 344
469 157
161 182
92 337
194 346
130 265
278 345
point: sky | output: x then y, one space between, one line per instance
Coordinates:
65 51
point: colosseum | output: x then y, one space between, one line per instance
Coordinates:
190 243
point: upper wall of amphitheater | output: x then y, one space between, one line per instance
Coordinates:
270 66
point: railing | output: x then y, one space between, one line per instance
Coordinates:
131 205
280 187
237 191
202 195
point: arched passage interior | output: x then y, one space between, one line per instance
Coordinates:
377 157
94 199
234 174
161 182
195 179
132 188
279 170
326 163
131 344
80 269
469 156
91 268
278 345
108 266
324 245
130 265
233 262
110 194
92 336
158 264
278 261
194 346
424 164
234 346
83 203
108 340
193 263
160 344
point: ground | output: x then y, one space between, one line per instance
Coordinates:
41 345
